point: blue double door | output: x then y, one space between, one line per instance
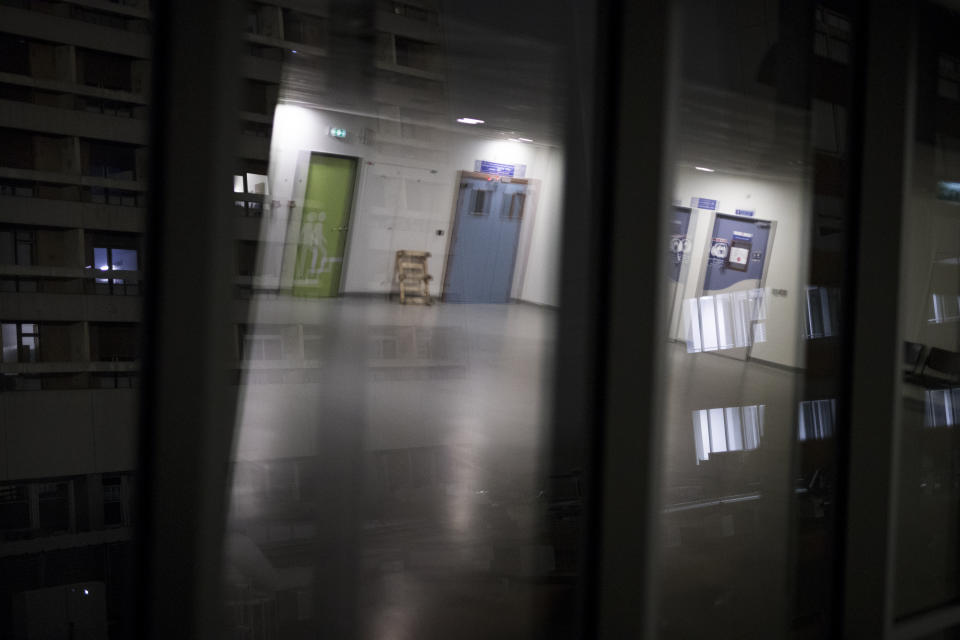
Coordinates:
483 249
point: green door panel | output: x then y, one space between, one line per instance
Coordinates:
324 226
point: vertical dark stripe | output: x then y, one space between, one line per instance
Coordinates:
187 405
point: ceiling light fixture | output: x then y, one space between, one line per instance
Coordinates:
524 139
470 121
707 169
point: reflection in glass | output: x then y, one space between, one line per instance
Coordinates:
942 407
754 280
725 321
946 308
927 566
76 90
390 476
729 429
822 318
817 419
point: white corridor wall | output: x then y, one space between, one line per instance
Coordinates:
405 197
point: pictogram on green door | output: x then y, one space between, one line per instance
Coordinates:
324 226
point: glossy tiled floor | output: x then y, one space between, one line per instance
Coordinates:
415 452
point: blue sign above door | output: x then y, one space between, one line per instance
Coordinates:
499 169
703 203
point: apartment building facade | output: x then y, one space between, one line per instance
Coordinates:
75 80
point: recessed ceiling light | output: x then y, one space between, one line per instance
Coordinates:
470 121
513 140
524 139
707 169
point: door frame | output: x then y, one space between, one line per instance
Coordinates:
701 281
734 352
675 322
453 226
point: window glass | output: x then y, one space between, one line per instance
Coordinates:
100 260
29 345
123 259
76 144
24 247
256 183
754 272
7 251
394 362
927 565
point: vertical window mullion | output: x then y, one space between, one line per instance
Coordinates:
882 147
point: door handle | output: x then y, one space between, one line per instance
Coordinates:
341 228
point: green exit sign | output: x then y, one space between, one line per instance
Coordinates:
338 133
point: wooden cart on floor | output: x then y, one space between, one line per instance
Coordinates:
411 268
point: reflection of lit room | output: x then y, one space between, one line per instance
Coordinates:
442 406
316 246
447 403
447 400
817 419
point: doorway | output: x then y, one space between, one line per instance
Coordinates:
680 248
738 251
327 202
486 232
730 313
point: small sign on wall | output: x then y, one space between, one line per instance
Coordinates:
703 203
745 212
500 169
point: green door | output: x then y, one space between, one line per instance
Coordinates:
323 226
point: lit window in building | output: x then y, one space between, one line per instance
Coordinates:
114 258
253 187
21 341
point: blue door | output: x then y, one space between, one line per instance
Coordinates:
738 252
679 243
730 316
484 243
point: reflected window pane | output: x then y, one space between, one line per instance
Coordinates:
394 380
928 521
755 274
